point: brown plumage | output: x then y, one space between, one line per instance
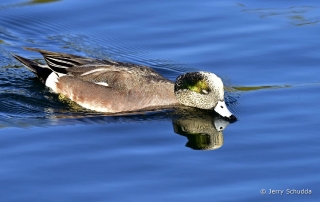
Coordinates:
129 87
114 87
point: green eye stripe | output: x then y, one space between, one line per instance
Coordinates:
198 86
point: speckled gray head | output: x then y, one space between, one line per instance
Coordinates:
203 90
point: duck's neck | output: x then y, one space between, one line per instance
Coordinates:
161 94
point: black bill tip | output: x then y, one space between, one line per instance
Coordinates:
231 118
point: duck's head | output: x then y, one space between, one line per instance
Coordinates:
202 90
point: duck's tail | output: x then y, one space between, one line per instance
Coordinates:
41 71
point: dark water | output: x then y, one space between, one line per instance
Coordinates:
267 52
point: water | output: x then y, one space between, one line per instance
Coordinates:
266 52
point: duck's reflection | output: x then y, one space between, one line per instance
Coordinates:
203 131
202 128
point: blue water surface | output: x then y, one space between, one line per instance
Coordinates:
266 52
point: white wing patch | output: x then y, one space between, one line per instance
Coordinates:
102 83
93 71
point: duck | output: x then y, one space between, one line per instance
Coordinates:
116 87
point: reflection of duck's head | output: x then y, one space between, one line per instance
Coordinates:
203 132
203 90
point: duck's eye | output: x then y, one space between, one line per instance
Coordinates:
221 107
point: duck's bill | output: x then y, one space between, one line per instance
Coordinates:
222 109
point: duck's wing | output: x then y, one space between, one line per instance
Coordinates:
118 77
60 62
115 89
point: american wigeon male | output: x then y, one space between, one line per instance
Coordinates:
113 87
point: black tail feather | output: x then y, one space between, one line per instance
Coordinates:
60 62
41 72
